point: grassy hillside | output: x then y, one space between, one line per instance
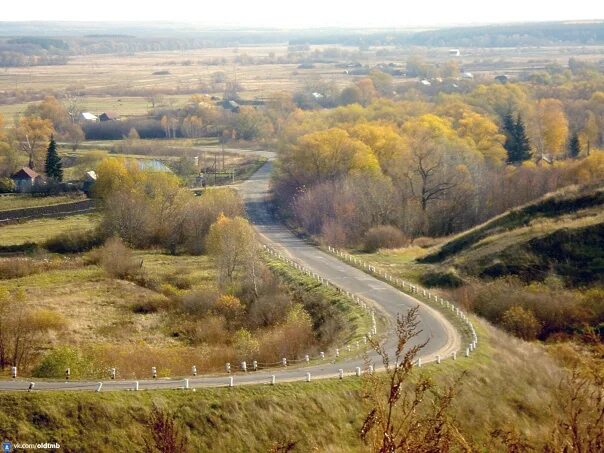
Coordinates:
562 233
508 383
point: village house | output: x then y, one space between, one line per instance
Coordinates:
25 179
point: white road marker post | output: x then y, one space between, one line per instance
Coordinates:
194 370
13 372
273 379
154 372
186 384
341 373
99 386
231 381
358 371
307 377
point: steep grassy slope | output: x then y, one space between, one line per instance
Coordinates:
509 383
562 233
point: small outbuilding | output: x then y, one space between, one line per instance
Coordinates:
108 116
25 179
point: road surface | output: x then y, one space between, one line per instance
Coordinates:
443 337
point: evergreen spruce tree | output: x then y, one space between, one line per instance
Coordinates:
516 141
523 150
574 146
54 166
509 130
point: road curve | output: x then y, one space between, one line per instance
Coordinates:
443 338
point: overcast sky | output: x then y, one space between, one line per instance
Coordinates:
306 13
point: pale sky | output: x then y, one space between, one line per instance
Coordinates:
306 13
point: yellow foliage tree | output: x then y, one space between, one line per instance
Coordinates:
31 135
483 135
549 127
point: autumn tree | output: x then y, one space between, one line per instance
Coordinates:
431 160
550 127
325 155
232 243
30 133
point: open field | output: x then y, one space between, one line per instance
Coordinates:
40 230
119 82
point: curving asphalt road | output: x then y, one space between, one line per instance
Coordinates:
443 337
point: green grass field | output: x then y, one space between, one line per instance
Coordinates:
26 201
40 230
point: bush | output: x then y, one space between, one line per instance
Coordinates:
152 305
55 362
117 259
18 267
74 242
7 185
199 302
384 237
444 279
521 323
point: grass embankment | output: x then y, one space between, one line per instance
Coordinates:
508 383
562 233
26 201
